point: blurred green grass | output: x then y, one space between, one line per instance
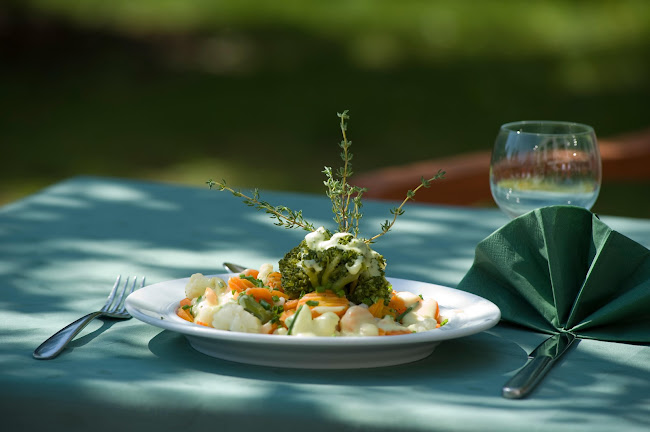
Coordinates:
248 91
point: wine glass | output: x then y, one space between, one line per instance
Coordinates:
541 163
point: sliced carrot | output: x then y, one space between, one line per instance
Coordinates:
186 315
291 304
269 328
274 280
210 296
251 272
378 309
260 294
286 314
202 323
396 332
238 284
263 293
327 299
397 304
280 294
186 302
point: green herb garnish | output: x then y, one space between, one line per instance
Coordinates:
345 198
401 316
257 282
293 320
285 216
255 308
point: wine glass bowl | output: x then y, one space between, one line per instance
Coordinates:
540 163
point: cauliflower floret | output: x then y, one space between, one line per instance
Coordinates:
388 323
204 312
281 331
358 321
408 297
265 271
428 308
424 317
322 325
368 329
198 283
233 317
424 325
325 324
267 327
301 323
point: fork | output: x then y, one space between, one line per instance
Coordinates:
114 308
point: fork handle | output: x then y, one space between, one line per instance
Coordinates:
53 346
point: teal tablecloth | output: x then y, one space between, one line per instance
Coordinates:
61 249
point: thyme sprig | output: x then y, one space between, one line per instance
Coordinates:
285 217
398 211
346 198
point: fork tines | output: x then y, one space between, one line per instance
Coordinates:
115 302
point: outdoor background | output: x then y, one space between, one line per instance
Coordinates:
184 91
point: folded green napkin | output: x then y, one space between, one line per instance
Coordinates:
560 268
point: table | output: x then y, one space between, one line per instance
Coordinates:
60 250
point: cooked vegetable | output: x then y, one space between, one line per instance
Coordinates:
401 316
378 309
265 294
397 304
327 301
393 332
250 305
184 313
341 263
294 319
294 280
238 284
274 281
322 312
291 304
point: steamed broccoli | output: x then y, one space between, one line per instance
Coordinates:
340 263
294 279
370 288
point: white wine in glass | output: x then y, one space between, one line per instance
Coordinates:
541 163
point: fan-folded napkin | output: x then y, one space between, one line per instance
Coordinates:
560 268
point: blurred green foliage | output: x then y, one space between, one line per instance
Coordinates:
183 91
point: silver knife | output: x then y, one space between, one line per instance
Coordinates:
541 359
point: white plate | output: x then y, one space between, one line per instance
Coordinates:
467 313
